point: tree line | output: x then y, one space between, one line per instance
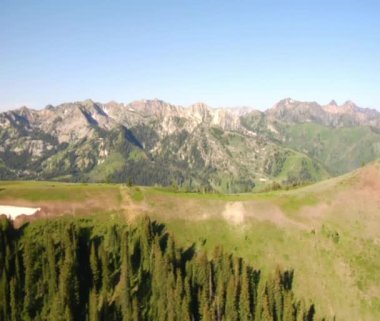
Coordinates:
73 270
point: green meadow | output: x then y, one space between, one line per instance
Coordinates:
328 233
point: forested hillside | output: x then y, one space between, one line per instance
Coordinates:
72 269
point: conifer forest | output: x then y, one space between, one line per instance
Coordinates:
72 270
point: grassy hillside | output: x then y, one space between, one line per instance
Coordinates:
293 167
340 149
328 232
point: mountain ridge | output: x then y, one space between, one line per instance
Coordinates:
242 107
154 142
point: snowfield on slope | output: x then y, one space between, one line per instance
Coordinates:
14 211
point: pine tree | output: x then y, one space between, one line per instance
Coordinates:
278 295
244 298
126 304
266 309
94 264
106 282
3 296
135 310
68 281
261 293
231 300
52 277
289 311
29 298
14 308
93 306
187 301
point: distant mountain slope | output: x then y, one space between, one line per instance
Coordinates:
340 137
339 149
152 142
346 115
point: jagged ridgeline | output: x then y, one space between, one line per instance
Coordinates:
73 269
195 148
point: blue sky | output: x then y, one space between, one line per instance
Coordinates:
224 53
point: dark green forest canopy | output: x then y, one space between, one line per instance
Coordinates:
73 269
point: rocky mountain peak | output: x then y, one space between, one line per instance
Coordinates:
151 107
348 114
200 111
25 111
88 102
349 102
284 103
49 107
200 106
294 110
349 106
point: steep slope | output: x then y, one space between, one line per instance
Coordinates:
147 142
347 115
327 232
194 148
339 149
341 138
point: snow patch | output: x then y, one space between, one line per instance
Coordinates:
105 110
15 211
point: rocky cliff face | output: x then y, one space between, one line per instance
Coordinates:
345 115
153 142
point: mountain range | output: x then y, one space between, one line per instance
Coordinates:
150 142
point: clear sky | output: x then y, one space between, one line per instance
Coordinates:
224 53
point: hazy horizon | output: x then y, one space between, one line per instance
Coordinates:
222 53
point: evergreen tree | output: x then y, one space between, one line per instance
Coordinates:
14 303
93 306
66 271
29 289
94 264
244 298
231 300
126 304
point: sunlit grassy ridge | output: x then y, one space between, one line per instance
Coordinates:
339 149
53 191
327 232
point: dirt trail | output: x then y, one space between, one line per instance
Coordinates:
241 212
234 212
130 208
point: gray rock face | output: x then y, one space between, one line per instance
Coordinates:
153 142
347 114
